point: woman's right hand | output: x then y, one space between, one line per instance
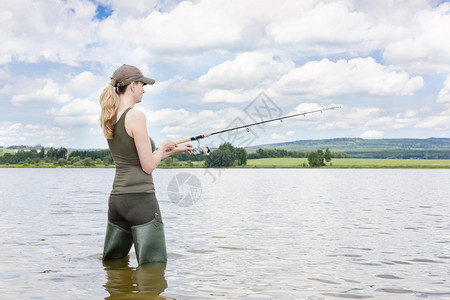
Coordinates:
167 146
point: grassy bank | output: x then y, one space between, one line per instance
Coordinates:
350 163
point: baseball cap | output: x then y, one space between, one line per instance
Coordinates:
127 74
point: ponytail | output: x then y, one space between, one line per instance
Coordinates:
109 100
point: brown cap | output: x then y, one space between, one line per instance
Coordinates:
127 74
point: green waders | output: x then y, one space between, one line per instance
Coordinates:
118 242
150 242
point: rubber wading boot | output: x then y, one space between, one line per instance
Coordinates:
118 242
150 242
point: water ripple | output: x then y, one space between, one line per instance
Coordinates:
255 234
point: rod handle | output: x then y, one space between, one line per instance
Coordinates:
194 138
183 141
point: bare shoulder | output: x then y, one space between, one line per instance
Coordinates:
136 114
135 122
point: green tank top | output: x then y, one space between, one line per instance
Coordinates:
129 177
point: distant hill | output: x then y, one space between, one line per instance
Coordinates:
431 148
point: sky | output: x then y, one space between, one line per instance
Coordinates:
224 63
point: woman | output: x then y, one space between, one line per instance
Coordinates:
133 210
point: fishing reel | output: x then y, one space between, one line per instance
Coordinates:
201 150
204 150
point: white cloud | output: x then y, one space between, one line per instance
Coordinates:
44 91
372 134
305 28
188 27
85 83
48 91
276 136
67 31
229 96
345 119
194 28
160 87
316 121
9 129
166 116
17 133
374 121
56 31
4 73
439 121
344 77
247 70
306 107
424 46
178 122
139 7
313 111
239 80
405 119
79 112
444 93
46 133
320 23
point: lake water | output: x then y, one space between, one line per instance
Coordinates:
243 234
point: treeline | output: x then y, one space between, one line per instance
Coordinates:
226 156
277 153
52 157
58 157
103 155
223 157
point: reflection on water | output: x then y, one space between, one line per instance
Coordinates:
144 282
254 234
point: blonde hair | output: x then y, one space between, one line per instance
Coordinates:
109 100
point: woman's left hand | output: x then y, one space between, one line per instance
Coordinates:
183 148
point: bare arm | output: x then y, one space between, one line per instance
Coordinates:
136 127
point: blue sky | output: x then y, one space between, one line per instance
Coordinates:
217 62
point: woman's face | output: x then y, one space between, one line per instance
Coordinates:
138 91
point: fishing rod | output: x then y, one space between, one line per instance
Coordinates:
205 150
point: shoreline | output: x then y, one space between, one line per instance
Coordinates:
291 163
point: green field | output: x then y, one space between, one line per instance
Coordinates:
350 163
4 150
